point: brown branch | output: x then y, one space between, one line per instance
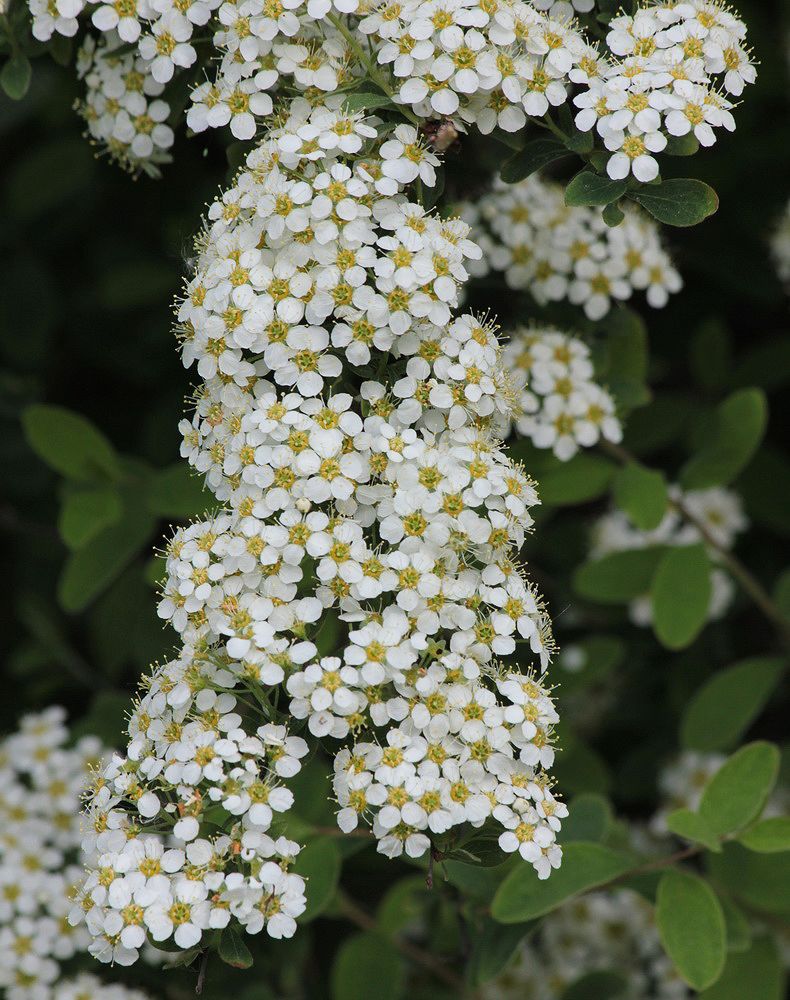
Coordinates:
742 574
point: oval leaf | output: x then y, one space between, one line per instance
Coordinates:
692 929
618 577
678 202
692 826
523 896
69 443
532 157
724 708
92 568
589 188
737 793
85 513
583 478
680 595
761 881
589 818
494 946
755 974
233 949
770 836
738 429
642 494
15 76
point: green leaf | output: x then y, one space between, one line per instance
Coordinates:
739 427
583 478
477 880
756 974
69 443
642 494
91 569
319 864
677 202
691 926
589 188
84 513
739 931
691 826
177 492
625 369
523 896
60 48
233 949
612 215
494 947
15 76
737 793
600 985
680 595
366 100
769 836
681 145
760 881
618 577
536 154
589 818
364 960
724 708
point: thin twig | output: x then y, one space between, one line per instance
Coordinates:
652 866
742 574
201 973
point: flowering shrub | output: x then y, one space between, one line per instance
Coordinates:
41 859
360 651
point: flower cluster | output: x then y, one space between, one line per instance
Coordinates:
601 931
164 869
559 405
717 509
348 420
555 252
122 108
43 778
674 63
476 64
464 62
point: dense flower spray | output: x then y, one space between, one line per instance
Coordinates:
557 253
348 421
358 587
